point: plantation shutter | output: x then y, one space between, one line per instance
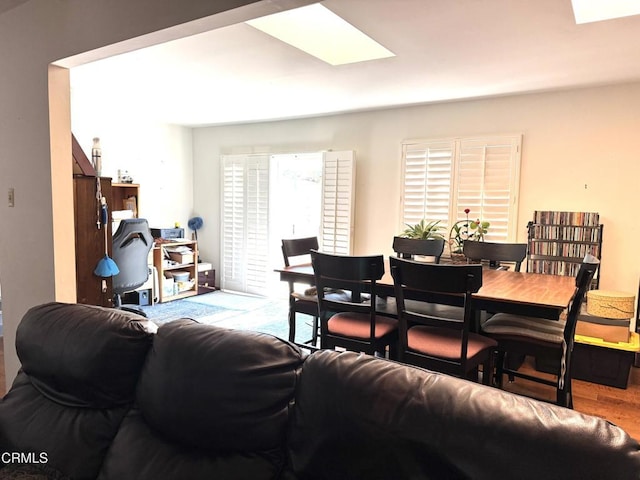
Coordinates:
442 178
338 194
488 169
428 173
245 221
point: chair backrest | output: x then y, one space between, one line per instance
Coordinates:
494 253
409 247
131 245
297 247
583 282
348 273
419 280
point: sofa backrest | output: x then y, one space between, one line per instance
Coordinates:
359 417
212 403
80 367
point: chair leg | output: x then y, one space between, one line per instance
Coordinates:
499 368
314 334
487 371
292 325
393 351
564 396
513 362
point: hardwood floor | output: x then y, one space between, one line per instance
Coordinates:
619 406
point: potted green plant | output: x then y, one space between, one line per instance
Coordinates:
423 230
465 230
422 240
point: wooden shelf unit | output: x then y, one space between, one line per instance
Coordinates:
162 267
122 192
559 241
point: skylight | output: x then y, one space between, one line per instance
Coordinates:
586 11
318 31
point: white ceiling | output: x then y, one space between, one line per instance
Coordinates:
445 50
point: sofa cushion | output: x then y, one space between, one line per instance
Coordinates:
83 355
79 370
27 471
218 389
358 417
74 439
139 453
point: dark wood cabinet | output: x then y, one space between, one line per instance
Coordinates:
90 240
206 281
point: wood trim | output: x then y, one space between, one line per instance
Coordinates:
80 159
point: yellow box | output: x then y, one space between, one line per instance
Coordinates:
610 304
633 345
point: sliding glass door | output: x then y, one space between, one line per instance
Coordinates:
268 198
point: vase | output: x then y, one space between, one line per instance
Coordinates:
458 258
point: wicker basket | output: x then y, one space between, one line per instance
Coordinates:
609 304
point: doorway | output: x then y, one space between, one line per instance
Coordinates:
310 194
295 205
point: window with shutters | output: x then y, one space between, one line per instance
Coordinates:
247 252
442 178
245 222
338 181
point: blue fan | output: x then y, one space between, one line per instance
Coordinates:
195 224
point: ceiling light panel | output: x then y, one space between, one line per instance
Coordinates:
318 31
587 11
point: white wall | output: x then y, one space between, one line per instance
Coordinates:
157 156
36 239
572 139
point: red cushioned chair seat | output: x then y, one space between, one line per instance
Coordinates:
356 325
443 343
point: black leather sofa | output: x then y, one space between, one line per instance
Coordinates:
102 395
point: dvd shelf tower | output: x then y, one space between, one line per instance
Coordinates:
559 241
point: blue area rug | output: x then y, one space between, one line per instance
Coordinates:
234 311
166 312
230 311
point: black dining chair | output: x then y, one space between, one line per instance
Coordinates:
351 321
298 251
493 253
434 341
410 247
551 340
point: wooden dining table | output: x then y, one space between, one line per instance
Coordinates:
521 293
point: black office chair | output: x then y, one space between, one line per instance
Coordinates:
410 247
494 253
551 340
435 340
131 245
